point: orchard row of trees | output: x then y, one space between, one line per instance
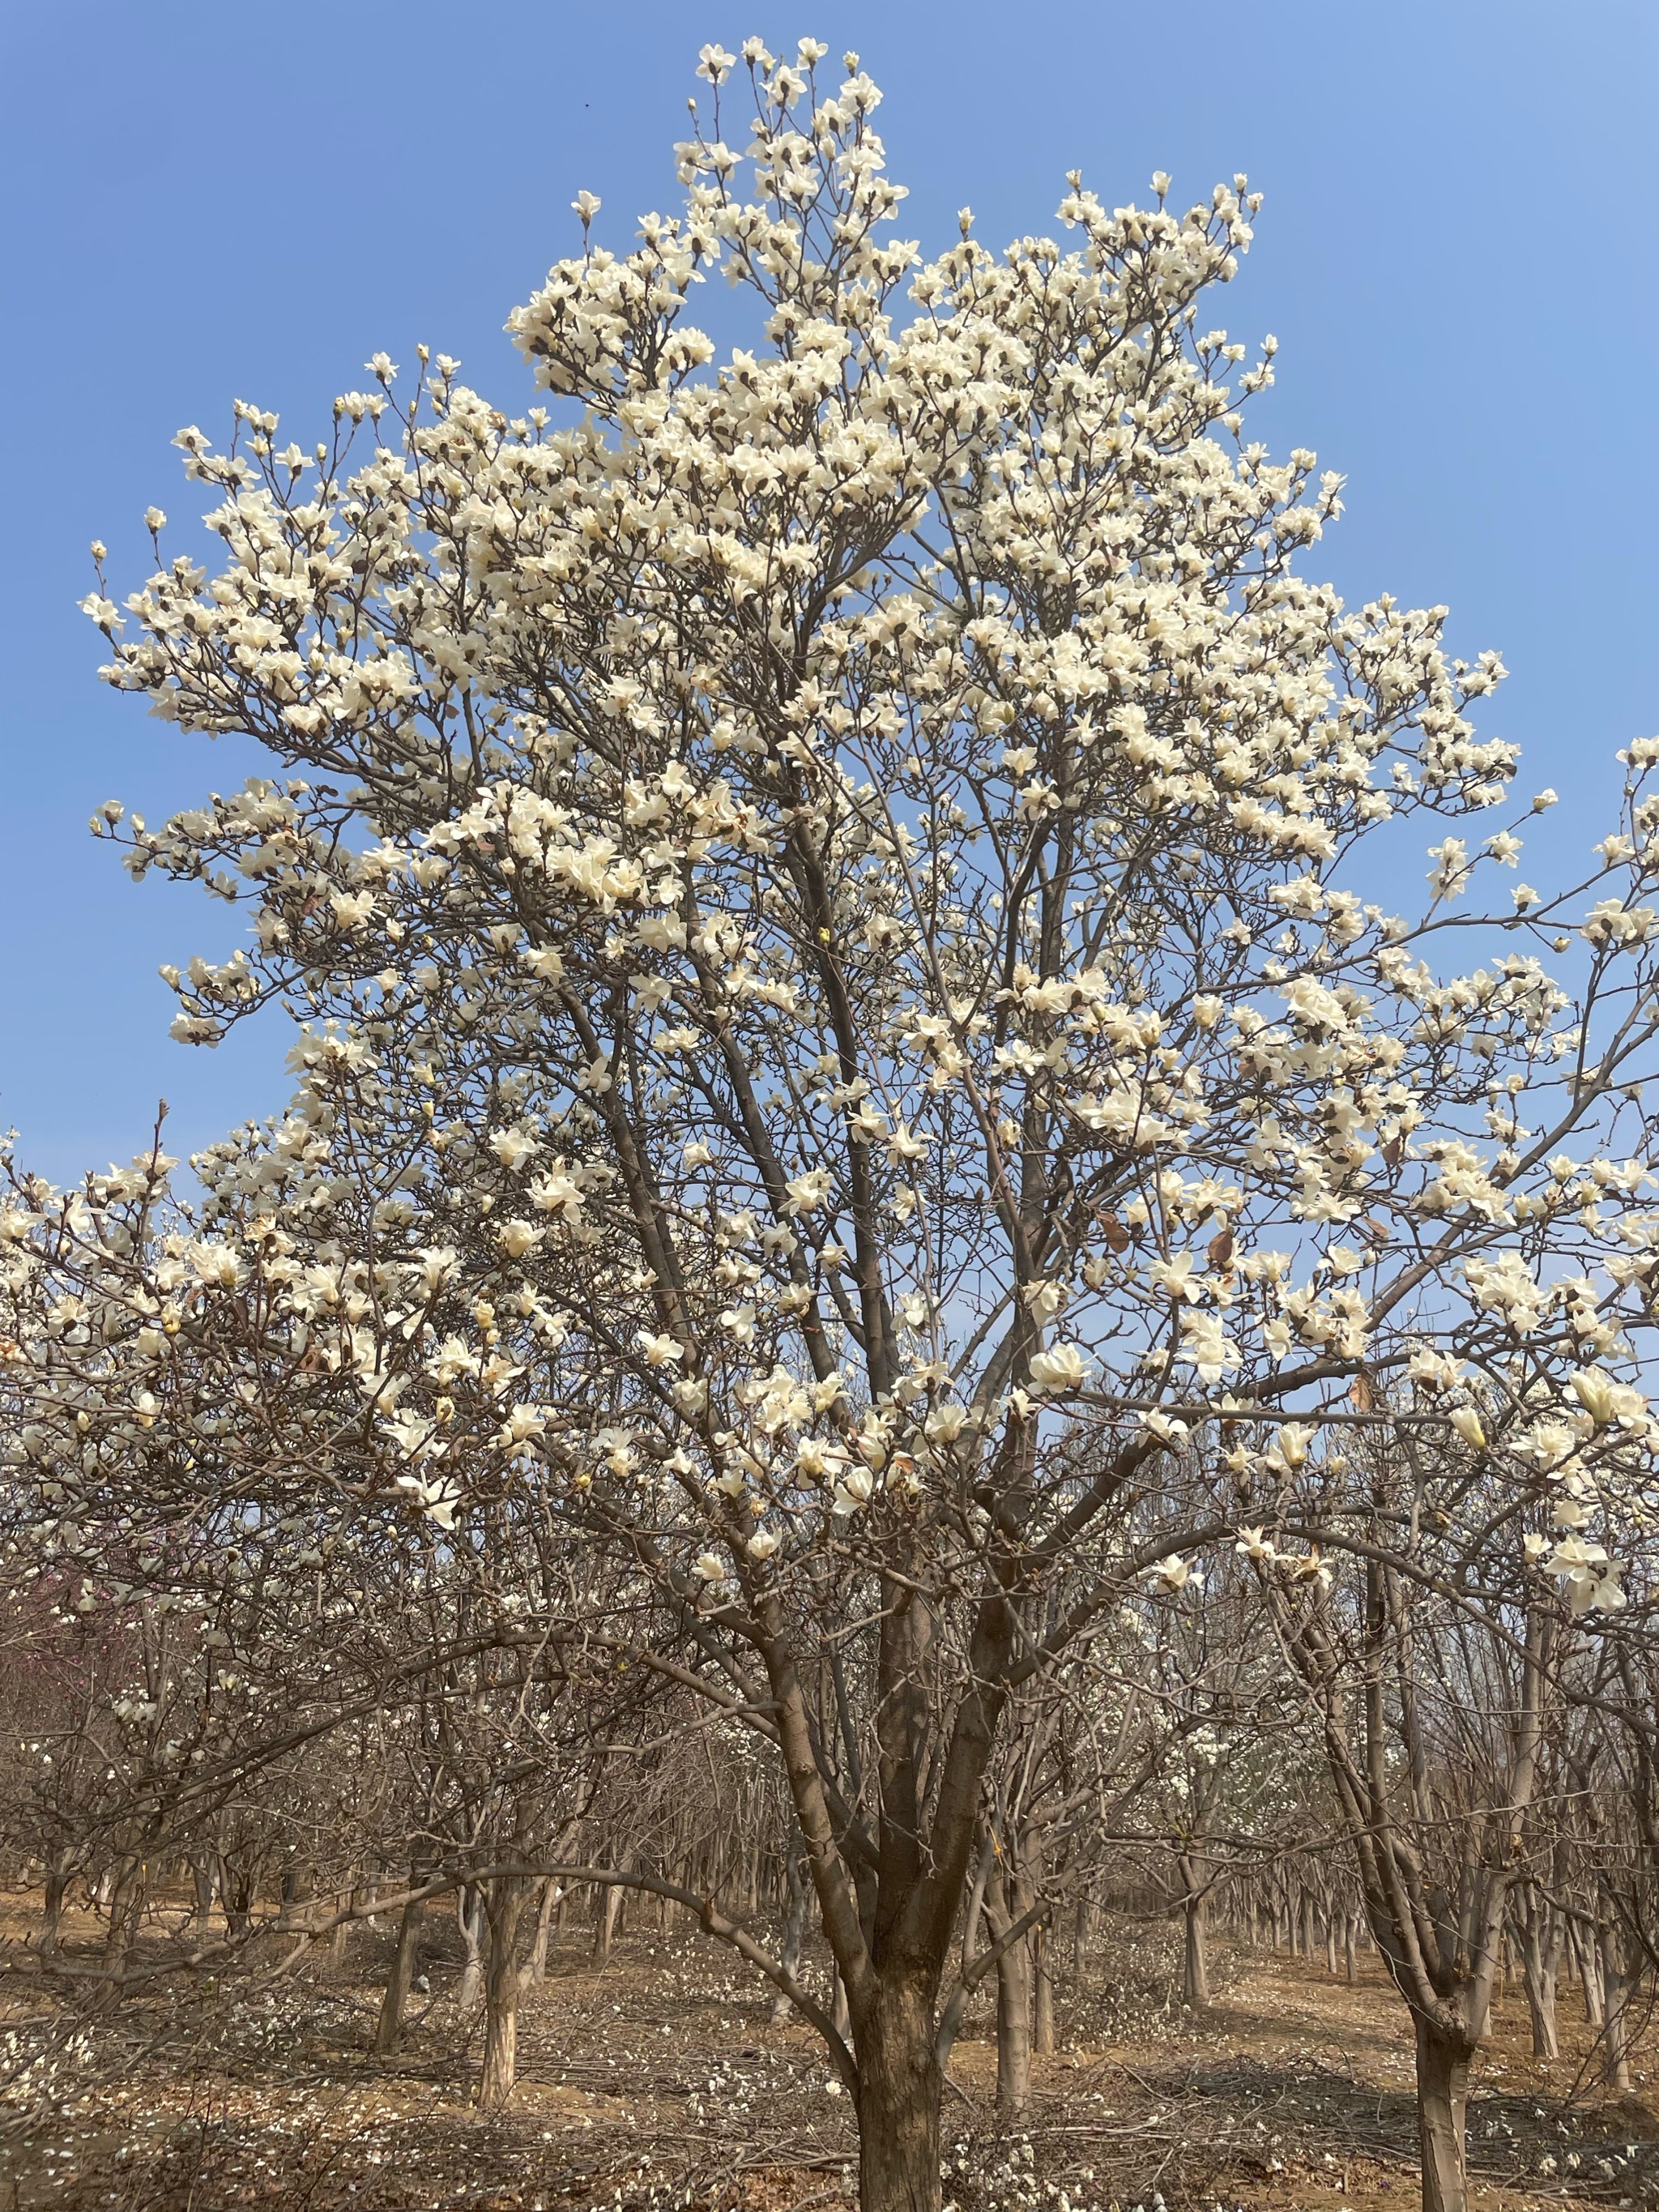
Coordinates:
893 1187
237 1765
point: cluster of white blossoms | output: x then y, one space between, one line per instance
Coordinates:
831 887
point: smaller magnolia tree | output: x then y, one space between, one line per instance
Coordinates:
258 1642
1432 1668
871 1050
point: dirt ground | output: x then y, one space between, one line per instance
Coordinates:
659 2082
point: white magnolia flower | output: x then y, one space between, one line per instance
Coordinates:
1591 1578
1060 1368
854 1490
808 1192
817 1457
437 1500
218 1265
522 1423
438 1265
1292 1444
517 1237
1305 1567
1174 1575
1206 1348
512 1147
660 1350
739 1322
1166 1428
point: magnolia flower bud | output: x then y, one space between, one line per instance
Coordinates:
1594 1394
1466 1422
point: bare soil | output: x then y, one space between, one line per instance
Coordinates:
659 2082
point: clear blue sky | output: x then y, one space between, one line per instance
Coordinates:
207 200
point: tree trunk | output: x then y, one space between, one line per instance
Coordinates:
469 1912
1541 1939
1350 1958
1443 2088
340 1942
236 1892
389 2027
202 1893
1013 1971
1007 1898
974 1912
535 1971
1589 1972
898 2101
52 1910
795 1932
1616 1987
504 1902
1195 1968
1014 2028
1043 2010
299 1881
126 1911
605 1924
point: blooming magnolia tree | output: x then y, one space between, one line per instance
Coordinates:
221 1561
845 893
